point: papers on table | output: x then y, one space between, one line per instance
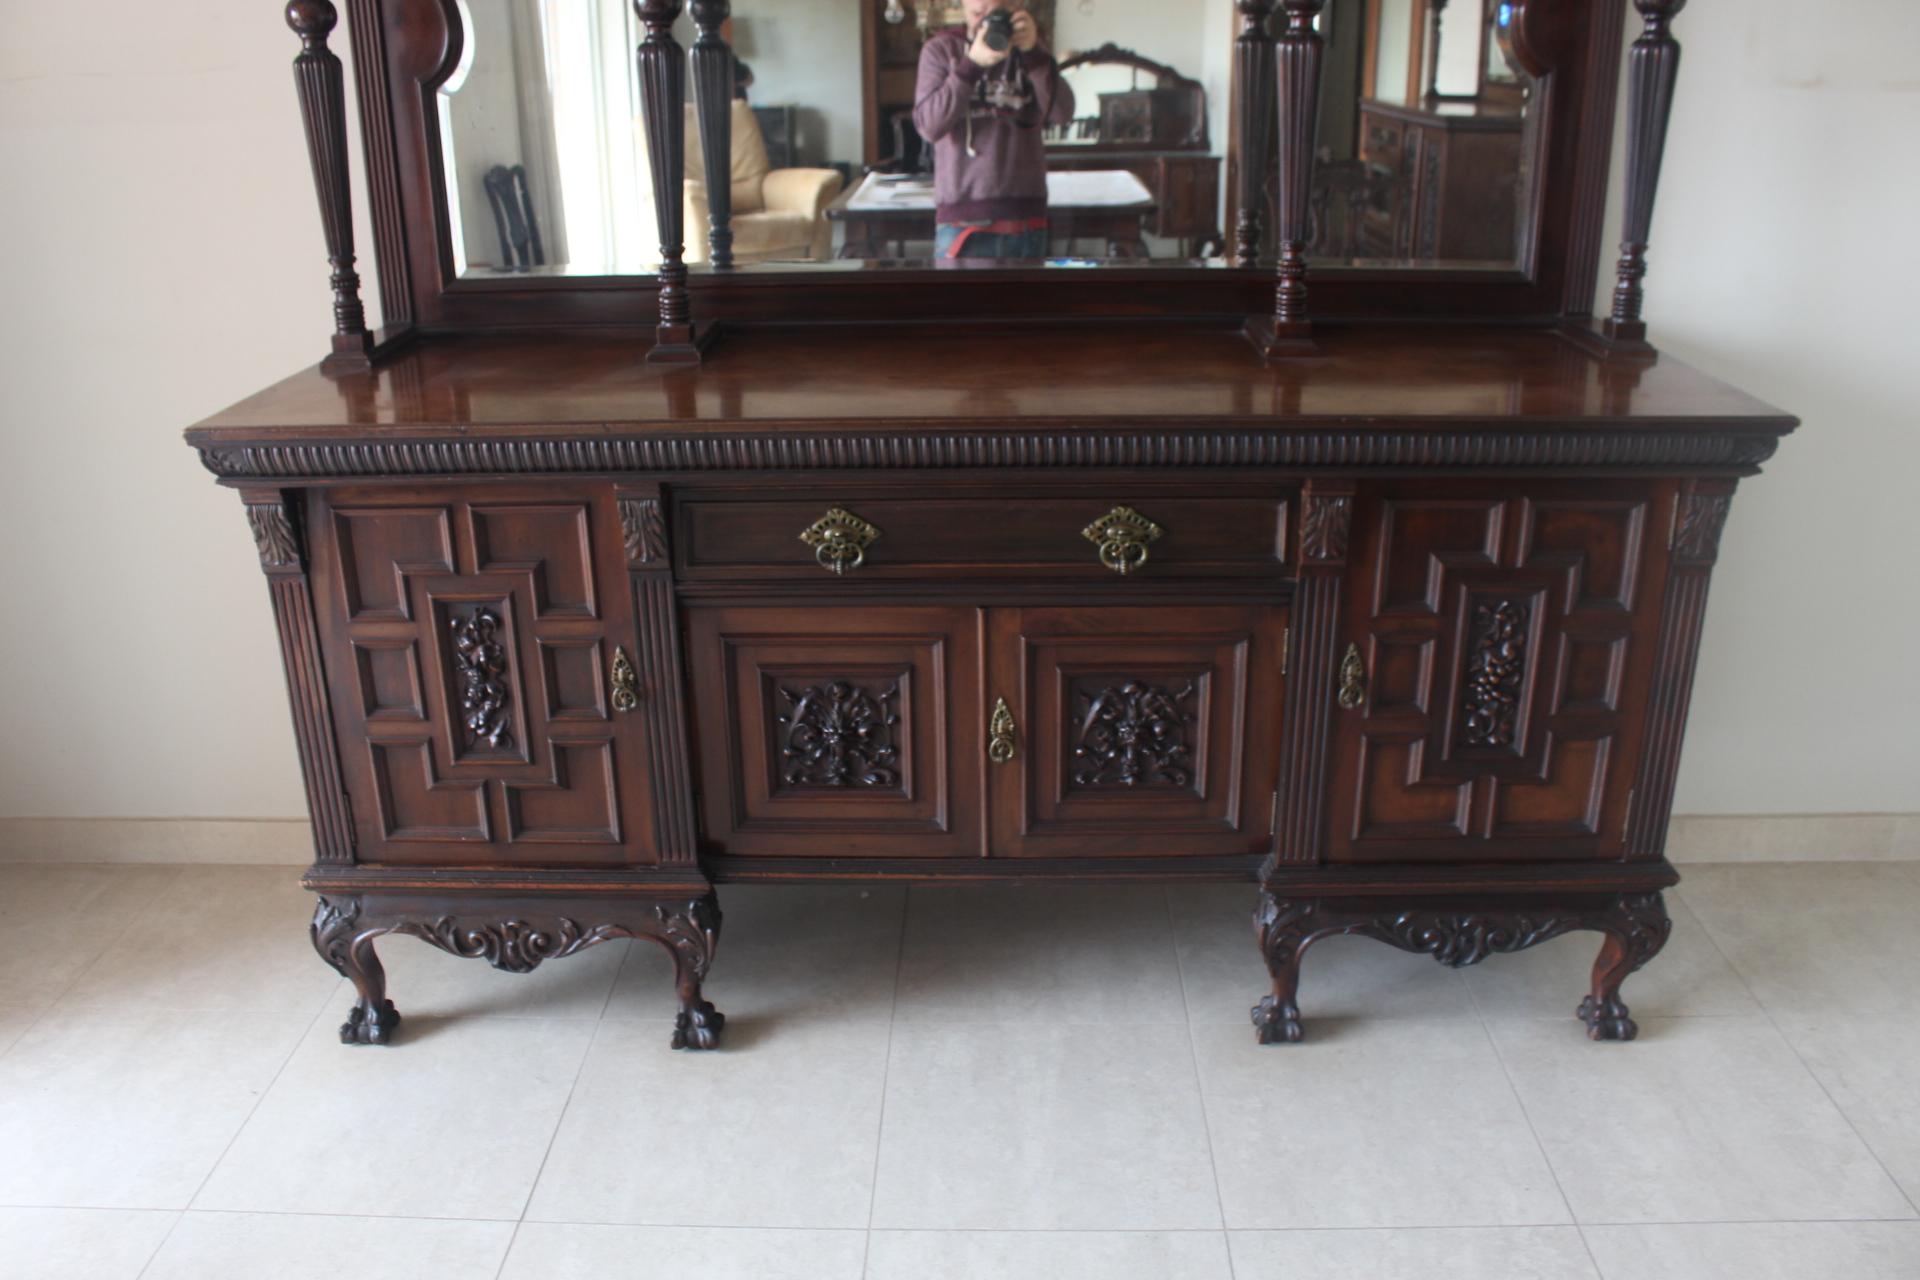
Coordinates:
1084 189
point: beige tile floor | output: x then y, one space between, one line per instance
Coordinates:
967 1084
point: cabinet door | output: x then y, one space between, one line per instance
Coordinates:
1135 731
1505 643
827 731
472 642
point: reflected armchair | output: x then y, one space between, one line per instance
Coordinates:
778 214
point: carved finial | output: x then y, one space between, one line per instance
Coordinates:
1652 66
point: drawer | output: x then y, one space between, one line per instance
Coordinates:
897 536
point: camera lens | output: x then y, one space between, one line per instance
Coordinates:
999 30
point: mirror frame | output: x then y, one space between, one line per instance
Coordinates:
403 50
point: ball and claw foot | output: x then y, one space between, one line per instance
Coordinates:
698 1026
370 1026
1278 1023
1607 1021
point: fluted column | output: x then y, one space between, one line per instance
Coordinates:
323 110
1652 66
1253 72
1297 58
663 110
713 103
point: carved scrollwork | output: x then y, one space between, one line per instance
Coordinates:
511 945
1636 926
1133 734
1496 672
273 535
643 528
481 663
840 734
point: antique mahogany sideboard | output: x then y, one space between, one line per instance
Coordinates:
595 595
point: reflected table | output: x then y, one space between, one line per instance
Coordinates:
1111 205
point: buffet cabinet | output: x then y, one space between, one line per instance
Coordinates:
553 685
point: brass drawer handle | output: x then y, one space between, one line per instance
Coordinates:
626 693
1353 679
840 540
1000 731
1122 536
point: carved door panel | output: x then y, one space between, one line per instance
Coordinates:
1501 646
1132 731
480 652
837 733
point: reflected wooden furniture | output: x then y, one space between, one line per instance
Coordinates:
1010 575
1456 174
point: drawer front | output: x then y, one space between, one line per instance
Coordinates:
1181 536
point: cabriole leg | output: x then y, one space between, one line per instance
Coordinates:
1282 929
1636 927
342 942
691 935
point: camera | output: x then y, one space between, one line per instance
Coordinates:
998 27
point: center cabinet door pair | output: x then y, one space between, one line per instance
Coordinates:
833 730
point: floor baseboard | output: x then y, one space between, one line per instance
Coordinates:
1799 837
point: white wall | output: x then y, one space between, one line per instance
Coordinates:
165 259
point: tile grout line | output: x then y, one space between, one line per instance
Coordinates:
554 1137
1794 1049
1199 1088
1506 1073
174 873
319 1015
513 1236
886 1068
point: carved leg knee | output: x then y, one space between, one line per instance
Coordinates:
692 934
1283 931
1636 927
344 944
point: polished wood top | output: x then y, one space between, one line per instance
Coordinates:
1062 378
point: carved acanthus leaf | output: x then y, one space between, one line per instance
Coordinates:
1702 517
273 535
1326 523
512 945
643 528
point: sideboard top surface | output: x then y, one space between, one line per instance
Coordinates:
1067 379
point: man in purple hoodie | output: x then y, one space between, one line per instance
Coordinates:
984 110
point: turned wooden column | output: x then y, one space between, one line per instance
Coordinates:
1652 65
323 110
1297 58
1253 71
713 104
663 109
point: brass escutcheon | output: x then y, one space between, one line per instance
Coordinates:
625 684
1353 679
1000 731
1122 536
840 540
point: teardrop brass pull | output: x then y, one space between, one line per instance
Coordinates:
625 683
1353 679
1122 536
1000 731
840 540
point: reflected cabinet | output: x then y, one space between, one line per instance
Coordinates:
1267 504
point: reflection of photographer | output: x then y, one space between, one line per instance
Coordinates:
985 93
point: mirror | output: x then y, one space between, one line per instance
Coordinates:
1116 138
1425 129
